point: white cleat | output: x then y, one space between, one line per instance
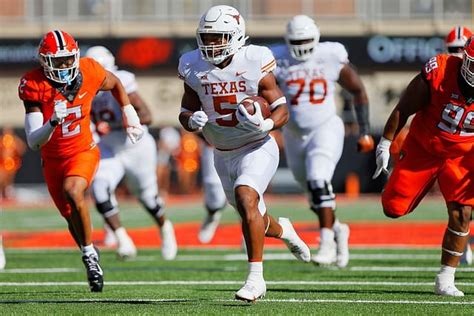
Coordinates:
252 291
341 236
327 253
466 257
297 246
109 237
209 227
444 285
169 248
126 248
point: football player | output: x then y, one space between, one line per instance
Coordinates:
58 98
217 76
307 72
119 157
438 147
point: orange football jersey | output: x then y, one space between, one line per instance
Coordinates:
446 124
74 134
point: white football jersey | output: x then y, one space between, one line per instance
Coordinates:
221 90
309 86
105 108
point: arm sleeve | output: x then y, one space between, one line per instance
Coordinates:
37 133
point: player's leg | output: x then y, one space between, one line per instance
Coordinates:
78 174
214 196
103 187
455 184
143 183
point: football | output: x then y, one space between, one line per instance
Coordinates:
249 104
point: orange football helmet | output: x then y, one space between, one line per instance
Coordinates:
59 55
456 39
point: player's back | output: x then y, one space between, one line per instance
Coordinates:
309 86
445 124
73 135
220 91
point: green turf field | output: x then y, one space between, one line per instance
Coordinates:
203 282
377 281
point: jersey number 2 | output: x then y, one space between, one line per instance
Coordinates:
71 127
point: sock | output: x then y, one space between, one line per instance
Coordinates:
121 233
255 271
447 270
337 225
88 250
326 234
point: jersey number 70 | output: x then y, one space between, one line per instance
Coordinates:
316 96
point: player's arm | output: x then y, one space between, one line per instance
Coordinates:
268 89
415 97
141 107
130 117
350 80
37 133
191 116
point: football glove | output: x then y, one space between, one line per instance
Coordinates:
197 120
365 144
254 122
132 123
382 155
59 112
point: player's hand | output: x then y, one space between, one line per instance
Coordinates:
59 112
365 144
102 128
132 123
197 120
254 122
382 155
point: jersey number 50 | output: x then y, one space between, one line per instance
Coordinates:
451 118
314 98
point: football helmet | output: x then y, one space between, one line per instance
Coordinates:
227 27
58 54
456 39
467 67
302 36
103 56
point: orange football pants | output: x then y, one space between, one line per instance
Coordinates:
416 171
83 164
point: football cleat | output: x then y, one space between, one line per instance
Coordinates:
444 285
341 236
169 248
94 272
126 248
209 226
466 257
327 253
297 246
252 291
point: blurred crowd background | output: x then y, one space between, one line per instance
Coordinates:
388 41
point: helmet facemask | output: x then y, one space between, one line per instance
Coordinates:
302 37
61 67
216 53
467 68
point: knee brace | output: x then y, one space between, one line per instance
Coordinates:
321 194
154 207
107 209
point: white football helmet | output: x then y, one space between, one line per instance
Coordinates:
227 22
103 56
467 67
302 36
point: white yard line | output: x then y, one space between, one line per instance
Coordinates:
171 300
231 282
